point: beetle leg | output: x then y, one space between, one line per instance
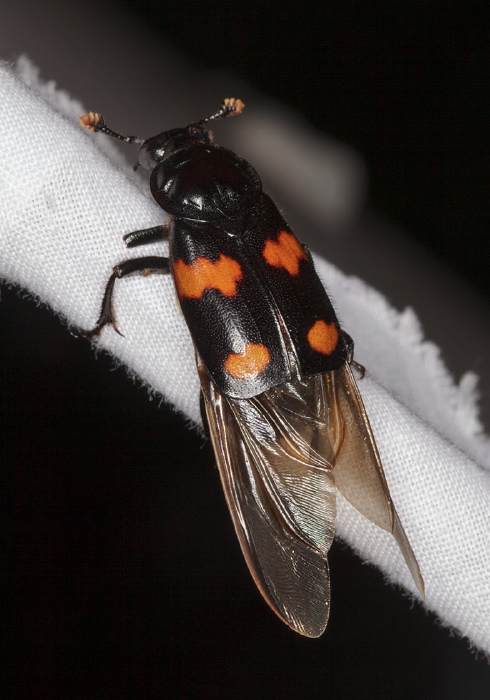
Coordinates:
204 417
349 343
134 266
146 235
360 368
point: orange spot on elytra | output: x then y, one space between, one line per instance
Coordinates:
286 252
192 280
249 363
323 337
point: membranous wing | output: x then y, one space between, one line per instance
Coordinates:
281 456
275 459
358 472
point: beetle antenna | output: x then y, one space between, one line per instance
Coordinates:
93 121
230 107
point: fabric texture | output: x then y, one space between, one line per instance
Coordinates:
67 199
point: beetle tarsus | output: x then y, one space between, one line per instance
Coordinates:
360 368
349 344
151 264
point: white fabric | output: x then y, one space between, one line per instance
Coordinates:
65 206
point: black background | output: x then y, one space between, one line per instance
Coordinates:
122 574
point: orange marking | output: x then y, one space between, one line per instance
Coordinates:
287 252
323 337
192 280
248 364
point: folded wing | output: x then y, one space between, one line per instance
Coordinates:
281 496
359 475
281 456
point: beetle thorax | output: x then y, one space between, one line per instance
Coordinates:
206 183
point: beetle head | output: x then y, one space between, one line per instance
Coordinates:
157 148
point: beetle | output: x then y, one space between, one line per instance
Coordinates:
278 395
